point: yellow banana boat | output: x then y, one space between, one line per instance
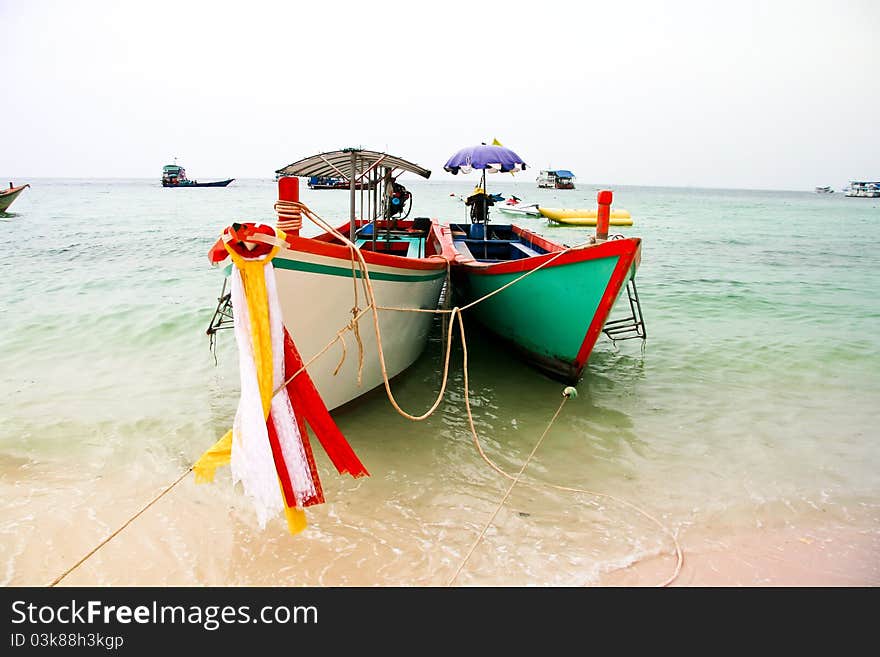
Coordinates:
585 216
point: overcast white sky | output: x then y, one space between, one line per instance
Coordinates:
765 95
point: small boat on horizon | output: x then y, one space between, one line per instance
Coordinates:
331 182
863 189
824 190
174 175
7 196
556 179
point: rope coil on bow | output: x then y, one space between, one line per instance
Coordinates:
289 215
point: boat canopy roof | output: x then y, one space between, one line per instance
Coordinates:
338 164
171 168
563 173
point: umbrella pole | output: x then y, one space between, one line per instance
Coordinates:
486 218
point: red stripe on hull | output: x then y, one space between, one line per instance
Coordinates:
618 279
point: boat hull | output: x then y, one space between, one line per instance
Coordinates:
526 211
7 196
216 183
316 295
554 316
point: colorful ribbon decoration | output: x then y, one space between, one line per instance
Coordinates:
268 446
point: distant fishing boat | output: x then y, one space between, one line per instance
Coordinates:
863 189
330 182
556 179
824 190
7 196
174 175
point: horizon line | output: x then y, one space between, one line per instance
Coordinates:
449 180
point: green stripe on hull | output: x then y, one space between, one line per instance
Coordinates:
547 312
313 268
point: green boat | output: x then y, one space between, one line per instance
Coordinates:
553 316
7 196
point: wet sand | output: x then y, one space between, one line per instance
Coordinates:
205 535
810 556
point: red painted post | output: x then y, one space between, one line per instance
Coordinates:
288 190
603 216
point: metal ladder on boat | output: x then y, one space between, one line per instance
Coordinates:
627 328
222 318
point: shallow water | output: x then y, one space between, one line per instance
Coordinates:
752 407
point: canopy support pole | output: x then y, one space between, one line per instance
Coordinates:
351 185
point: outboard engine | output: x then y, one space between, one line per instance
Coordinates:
397 202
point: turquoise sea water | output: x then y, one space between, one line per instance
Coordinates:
753 405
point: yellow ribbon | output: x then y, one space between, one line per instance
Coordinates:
253 280
219 454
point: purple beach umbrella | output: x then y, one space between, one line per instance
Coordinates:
485 157
493 158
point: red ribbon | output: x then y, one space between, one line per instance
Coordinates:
306 400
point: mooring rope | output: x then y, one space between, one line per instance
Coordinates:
123 526
513 483
467 404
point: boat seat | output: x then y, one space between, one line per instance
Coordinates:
410 248
463 249
421 225
529 251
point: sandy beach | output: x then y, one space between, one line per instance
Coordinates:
808 556
205 535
